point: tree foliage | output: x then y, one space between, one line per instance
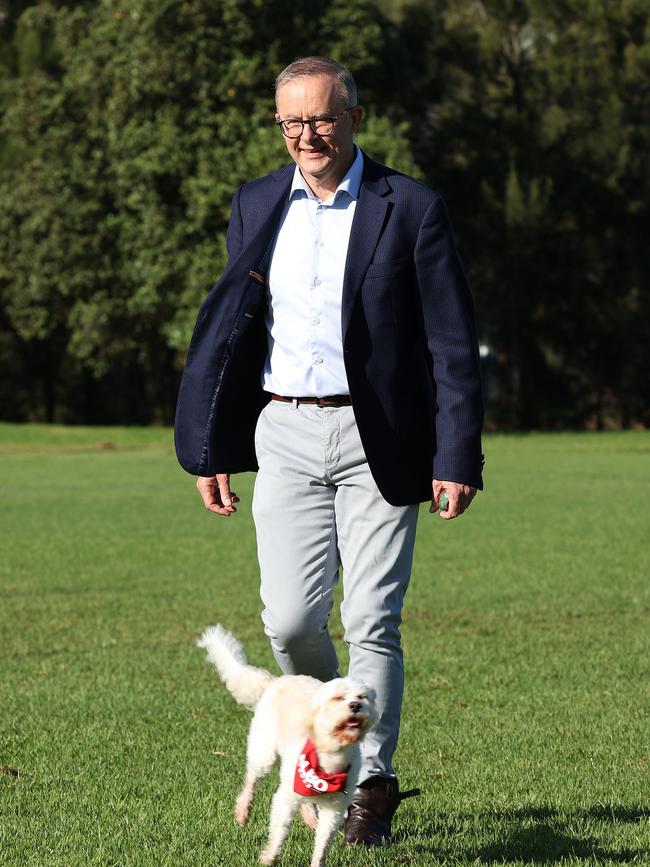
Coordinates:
537 131
126 127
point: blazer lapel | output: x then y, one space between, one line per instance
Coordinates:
369 218
267 214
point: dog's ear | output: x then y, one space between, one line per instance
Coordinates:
315 704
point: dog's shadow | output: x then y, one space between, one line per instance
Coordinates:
532 835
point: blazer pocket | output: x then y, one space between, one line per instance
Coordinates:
388 268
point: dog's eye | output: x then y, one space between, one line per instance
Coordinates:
337 698
363 696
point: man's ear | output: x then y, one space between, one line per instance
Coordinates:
356 114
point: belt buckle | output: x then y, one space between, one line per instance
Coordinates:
319 402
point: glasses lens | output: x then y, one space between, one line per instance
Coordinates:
322 125
292 128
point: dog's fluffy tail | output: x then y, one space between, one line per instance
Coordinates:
245 682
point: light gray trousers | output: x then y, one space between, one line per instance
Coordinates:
317 508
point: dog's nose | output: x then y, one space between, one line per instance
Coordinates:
355 706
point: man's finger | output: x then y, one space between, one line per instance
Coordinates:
453 510
225 494
205 487
214 490
439 501
455 504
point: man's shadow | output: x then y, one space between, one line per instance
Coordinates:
533 835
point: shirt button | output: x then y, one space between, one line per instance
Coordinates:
317 282
318 361
315 322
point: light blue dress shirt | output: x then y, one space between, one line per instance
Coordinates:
303 319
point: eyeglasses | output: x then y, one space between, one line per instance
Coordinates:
293 128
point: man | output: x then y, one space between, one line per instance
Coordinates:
337 353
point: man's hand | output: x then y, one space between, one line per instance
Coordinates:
460 496
216 494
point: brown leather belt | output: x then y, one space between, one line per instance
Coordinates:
332 400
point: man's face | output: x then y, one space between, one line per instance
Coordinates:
323 160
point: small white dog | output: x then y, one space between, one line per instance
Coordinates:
314 727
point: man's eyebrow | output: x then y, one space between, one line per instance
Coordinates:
313 117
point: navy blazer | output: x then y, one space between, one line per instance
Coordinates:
409 340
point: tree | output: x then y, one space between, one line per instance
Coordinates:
131 144
125 128
534 125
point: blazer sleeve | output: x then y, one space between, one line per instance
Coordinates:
448 317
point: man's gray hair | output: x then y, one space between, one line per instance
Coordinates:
320 66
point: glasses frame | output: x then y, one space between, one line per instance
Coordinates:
311 121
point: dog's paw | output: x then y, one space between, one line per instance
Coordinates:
309 814
268 856
242 810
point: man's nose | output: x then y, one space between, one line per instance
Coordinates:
308 133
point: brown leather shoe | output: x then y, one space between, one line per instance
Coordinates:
369 816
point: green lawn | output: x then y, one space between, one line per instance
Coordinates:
527 645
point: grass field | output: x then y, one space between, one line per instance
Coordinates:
527 647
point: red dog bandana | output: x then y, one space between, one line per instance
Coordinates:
311 779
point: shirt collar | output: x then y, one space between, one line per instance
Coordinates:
349 184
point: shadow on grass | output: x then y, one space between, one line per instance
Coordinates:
531 835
